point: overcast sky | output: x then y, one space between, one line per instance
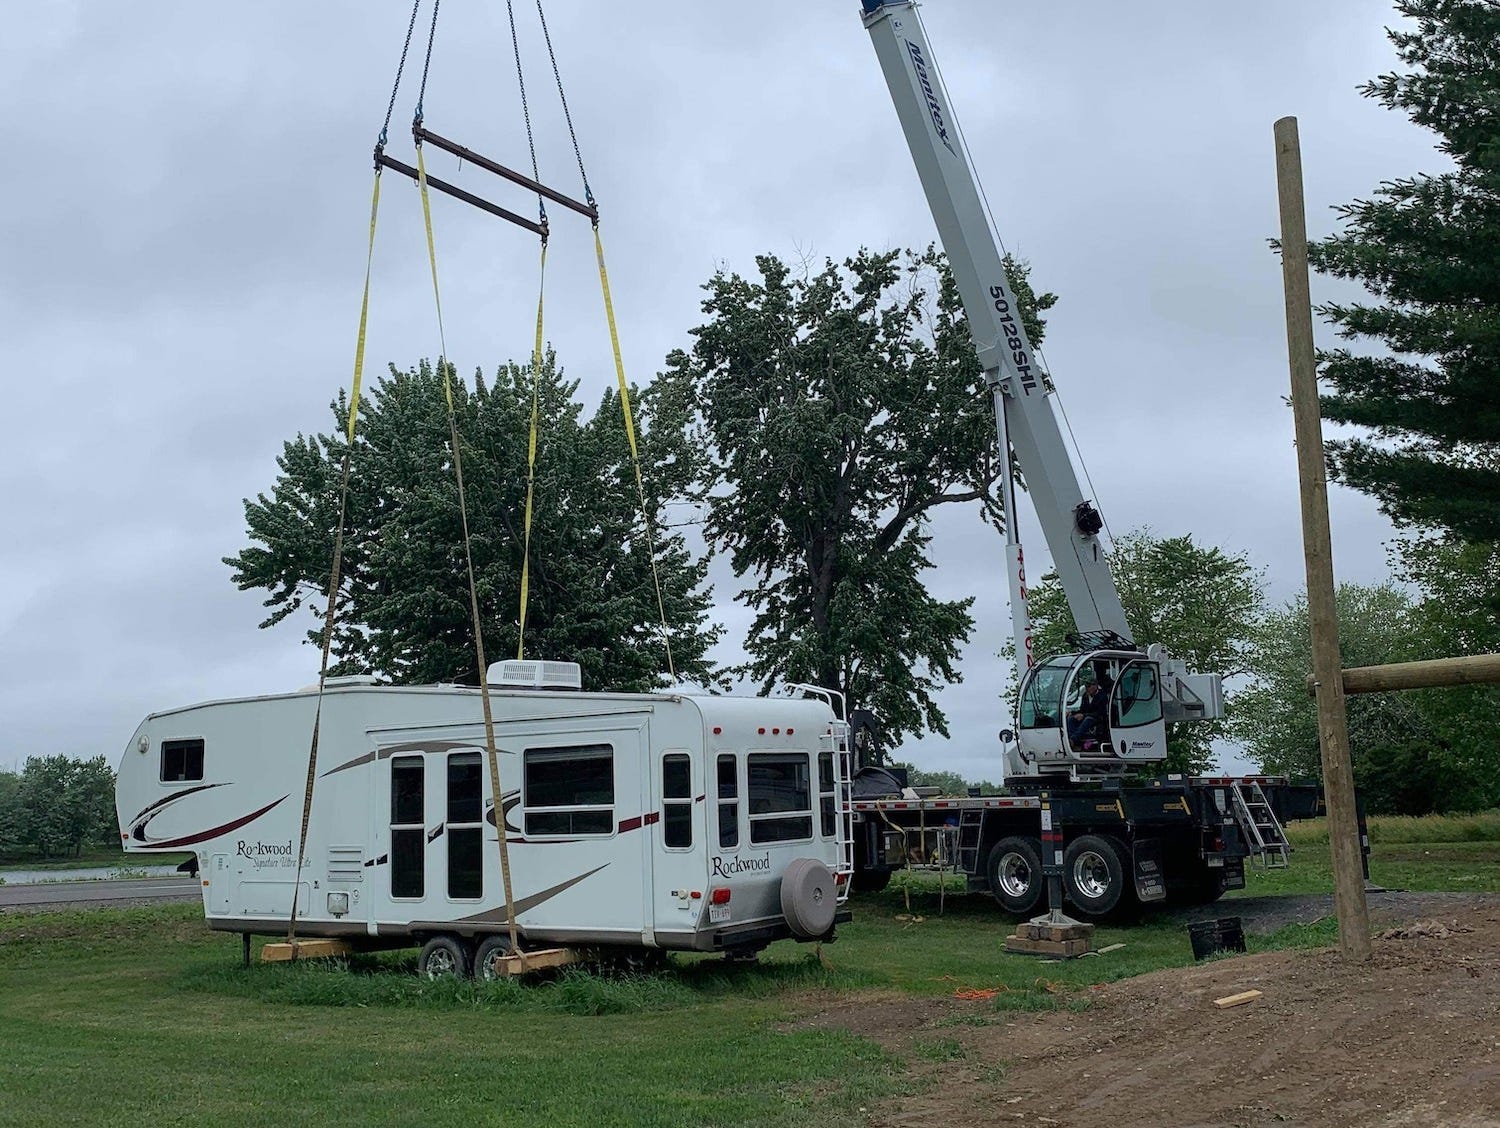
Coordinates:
182 244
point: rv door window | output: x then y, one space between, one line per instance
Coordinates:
780 796
465 841
570 790
729 805
181 760
677 800
408 835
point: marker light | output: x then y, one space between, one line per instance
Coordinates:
719 897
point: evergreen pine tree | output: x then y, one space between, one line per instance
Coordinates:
1428 246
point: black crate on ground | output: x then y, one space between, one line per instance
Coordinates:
1211 936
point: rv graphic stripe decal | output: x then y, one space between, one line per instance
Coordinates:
639 821
525 904
191 839
140 818
397 749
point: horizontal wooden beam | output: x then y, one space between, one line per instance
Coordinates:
311 949
1470 669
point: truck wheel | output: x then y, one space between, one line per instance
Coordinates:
442 957
1014 869
1093 875
871 881
809 898
484 959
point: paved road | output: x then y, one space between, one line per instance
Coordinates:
62 893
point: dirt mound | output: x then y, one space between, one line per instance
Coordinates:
1411 1038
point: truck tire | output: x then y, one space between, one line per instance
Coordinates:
1094 875
442 957
871 881
1014 870
809 898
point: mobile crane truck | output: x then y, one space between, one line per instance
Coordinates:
1126 840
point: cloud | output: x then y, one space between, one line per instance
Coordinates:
185 244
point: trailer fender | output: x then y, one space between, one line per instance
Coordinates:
809 898
1146 863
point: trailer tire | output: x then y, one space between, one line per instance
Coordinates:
809 898
1014 870
484 958
871 880
1094 875
443 957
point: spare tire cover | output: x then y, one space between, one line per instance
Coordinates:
809 897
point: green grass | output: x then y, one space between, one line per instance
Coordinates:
132 1016
1441 853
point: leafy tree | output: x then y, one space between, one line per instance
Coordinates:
1201 603
12 838
838 409
404 597
951 782
1414 752
1427 246
60 805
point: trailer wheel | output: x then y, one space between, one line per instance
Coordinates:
871 880
1093 875
442 957
484 959
1014 870
809 898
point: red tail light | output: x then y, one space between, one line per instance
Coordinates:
719 897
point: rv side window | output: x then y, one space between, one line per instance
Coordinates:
827 807
181 760
465 841
780 796
677 800
570 790
408 836
729 805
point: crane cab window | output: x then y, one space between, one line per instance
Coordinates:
1137 699
1041 700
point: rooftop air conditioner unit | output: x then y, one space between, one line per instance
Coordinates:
514 674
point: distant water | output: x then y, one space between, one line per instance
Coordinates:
100 873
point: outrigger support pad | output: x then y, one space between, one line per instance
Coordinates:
459 194
421 133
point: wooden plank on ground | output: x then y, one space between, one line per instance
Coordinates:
310 949
1236 1000
539 960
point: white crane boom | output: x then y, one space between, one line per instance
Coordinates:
1058 727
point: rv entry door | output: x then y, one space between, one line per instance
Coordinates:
678 847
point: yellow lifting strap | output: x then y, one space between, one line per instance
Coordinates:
338 561
493 759
536 376
635 458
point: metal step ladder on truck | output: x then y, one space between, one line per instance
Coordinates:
1087 722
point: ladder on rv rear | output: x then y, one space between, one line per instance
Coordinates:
1259 824
836 741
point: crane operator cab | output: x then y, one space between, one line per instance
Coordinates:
1101 712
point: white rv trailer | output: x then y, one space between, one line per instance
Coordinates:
662 820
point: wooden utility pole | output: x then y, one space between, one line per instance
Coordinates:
1333 730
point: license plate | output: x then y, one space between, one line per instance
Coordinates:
718 914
